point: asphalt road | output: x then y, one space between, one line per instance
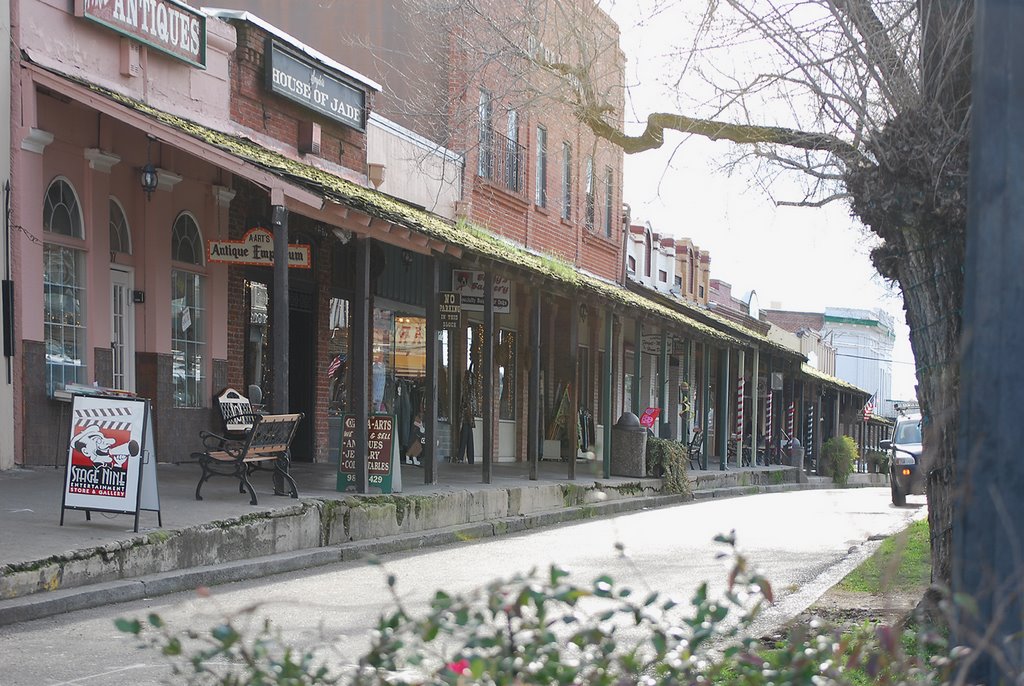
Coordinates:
804 541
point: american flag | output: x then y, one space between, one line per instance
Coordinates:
869 408
335 365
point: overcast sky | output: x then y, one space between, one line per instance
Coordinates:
795 258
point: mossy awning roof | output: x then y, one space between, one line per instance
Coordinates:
832 381
465 236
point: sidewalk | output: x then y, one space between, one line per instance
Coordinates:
46 568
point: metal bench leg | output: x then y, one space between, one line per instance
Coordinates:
281 474
205 476
244 485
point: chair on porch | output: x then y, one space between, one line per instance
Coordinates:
694 449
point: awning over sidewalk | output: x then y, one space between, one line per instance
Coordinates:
333 198
832 381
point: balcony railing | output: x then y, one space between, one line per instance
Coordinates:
502 161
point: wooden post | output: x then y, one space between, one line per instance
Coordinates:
360 359
723 409
987 474
433 287
606 394
663 427
572 421
638 367
533 403
279 222
706 405
487 449
755 405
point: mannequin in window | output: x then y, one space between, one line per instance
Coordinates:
466 431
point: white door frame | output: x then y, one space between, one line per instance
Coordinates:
123 276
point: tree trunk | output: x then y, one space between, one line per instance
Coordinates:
932 280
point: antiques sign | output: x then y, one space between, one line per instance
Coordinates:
169 26
450 308
256 248
299 80
380 439
470 287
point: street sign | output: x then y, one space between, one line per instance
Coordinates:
449 305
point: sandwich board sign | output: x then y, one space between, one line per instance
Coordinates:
382 465
111 462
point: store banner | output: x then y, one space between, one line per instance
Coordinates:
470 287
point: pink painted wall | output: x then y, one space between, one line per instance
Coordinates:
52 36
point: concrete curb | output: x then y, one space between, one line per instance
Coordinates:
41 605
484 519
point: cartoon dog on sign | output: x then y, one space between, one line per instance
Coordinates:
101 450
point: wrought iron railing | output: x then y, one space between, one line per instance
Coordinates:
502 161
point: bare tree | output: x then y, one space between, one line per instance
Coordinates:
874 99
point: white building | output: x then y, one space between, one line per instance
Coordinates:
864 340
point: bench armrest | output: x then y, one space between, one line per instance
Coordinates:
212 441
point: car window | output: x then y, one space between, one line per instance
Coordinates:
908 432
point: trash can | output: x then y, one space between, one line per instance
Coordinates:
629 447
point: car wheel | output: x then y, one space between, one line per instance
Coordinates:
899 498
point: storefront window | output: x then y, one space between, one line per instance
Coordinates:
584 399
63 289
338 350
505 363
399 359
505 359
188 314
257 372
444 398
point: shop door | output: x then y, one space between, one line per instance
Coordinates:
122 328
301 368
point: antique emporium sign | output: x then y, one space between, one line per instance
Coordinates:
380 442
449 305
256 248
470 287
301 81
110 464
169 26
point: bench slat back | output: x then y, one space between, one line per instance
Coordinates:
271 433
236 410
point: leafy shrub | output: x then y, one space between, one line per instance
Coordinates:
545 629
667 460
838 455
877 460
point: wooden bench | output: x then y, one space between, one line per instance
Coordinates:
267 444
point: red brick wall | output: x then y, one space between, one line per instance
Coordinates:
254 107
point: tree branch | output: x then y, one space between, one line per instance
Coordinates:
745 134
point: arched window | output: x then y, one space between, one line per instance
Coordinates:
120 236
63 287
647 253
188 314
62 213
186 241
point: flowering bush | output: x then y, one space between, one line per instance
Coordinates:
544 629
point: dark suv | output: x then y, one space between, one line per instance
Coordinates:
904 450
